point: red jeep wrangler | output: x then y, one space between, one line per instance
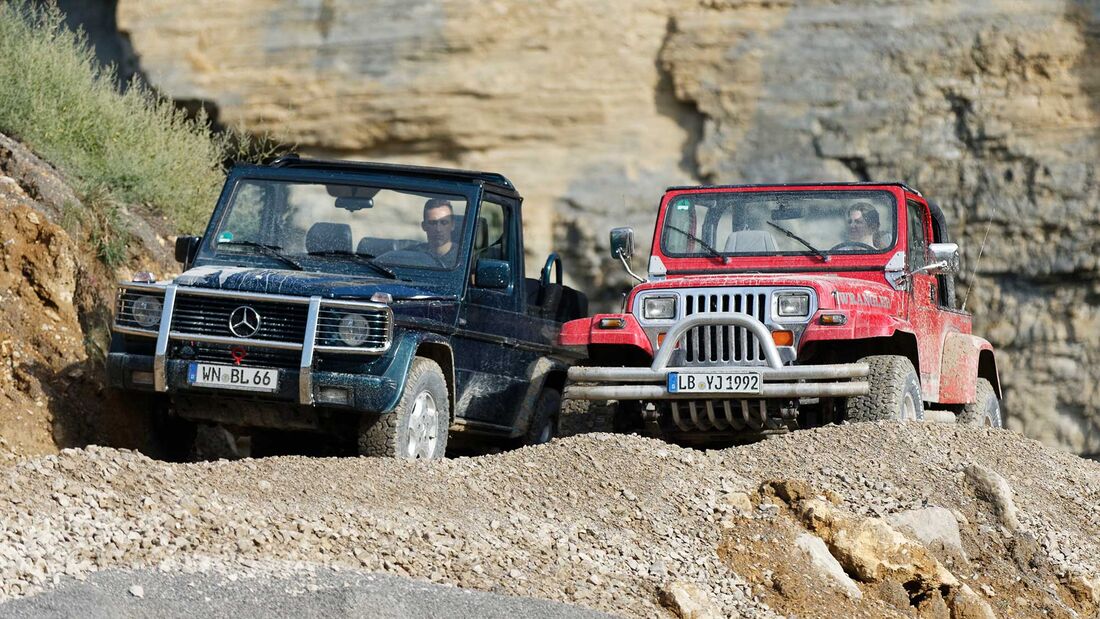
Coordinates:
775 307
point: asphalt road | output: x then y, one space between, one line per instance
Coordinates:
323 593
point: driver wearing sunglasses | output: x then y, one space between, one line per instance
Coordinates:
438 225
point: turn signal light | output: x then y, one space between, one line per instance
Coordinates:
611 323
783 338
660 339
833 319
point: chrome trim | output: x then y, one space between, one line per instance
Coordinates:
305 369
160 370
144 287
387 315
133 331
785 373
221 339
774 390
762 333
783 378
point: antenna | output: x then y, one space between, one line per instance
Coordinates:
981 250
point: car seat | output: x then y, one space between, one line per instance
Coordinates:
326 236
750 242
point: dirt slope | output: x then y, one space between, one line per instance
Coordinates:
621 524
55 302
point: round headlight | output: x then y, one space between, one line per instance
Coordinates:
796 304
659 308
354 329
146 310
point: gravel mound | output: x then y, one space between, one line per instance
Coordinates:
604 521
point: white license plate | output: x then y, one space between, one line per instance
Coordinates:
714 382
232 377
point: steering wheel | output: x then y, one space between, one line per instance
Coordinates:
855 244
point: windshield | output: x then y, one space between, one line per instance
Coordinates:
779 223
311 226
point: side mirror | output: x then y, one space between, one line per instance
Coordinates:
946 258
186 248
622 243
489 273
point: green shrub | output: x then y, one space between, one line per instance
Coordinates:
55 98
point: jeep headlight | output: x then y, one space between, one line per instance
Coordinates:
659 308
146 310
353 329
796 304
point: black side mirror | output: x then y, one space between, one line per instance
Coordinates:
622 243
186 248
491 273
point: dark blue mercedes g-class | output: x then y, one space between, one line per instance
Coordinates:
382 302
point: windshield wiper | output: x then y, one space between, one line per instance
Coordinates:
817 252
269 250
366 259
713 252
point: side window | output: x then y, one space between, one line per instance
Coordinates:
918 241
493 234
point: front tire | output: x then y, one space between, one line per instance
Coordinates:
895 392
544 424
985 410
417 427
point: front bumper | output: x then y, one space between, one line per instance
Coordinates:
779 381
359 392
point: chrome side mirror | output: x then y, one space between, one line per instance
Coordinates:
945 258
622 243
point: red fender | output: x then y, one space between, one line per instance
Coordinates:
585 332
959 370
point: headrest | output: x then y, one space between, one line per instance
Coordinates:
481 233
750 242
326 236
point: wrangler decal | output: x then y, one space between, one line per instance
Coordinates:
865 298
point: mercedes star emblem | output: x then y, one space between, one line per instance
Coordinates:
244 321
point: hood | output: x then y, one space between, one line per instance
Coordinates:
303 284
844 291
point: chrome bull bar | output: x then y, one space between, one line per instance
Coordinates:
779 381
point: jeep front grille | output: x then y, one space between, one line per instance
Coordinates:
203 315
725 344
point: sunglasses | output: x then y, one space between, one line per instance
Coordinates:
856 221
438 223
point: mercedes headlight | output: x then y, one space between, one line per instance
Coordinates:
146 310
659 308
353 329
793 304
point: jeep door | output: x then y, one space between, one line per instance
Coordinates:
490 364
925 314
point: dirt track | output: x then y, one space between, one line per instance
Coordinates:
607 522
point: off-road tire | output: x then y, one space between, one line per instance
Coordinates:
584 416
387 435
213 442
985 411
892 380
170 437
544 420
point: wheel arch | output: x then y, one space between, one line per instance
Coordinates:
440 352
966 358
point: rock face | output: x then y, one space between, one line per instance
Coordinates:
592 108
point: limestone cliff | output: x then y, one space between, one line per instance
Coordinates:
991 108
